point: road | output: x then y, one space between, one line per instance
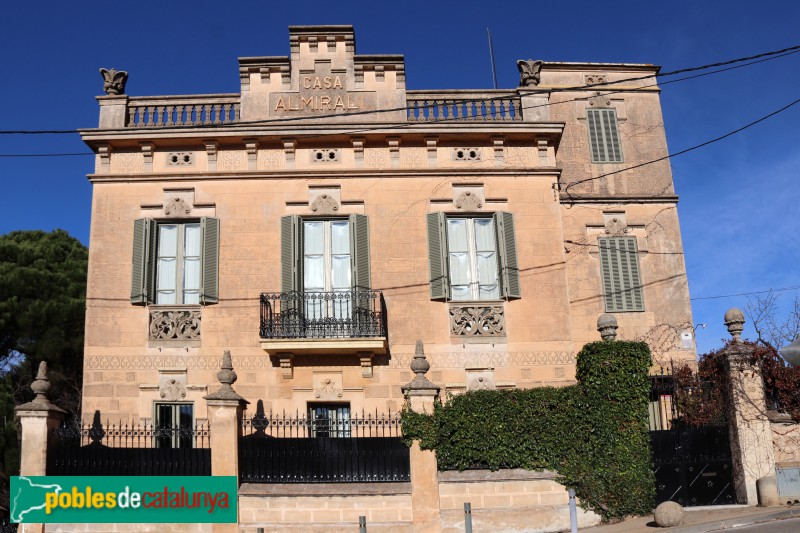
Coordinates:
779 526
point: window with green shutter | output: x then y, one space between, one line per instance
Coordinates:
604 141
619 269
175 263
472 258
325 255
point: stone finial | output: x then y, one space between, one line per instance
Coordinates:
791 352
529 72
227 377
40 386
607 326
734 320
114 81
420 385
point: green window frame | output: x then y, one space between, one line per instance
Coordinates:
145 263
604 140
439 256
620 274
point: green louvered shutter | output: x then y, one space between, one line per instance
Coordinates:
604 141
291 254
619 268
143 261
359 239
209 288
437 256
507 248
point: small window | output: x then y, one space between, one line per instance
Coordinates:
619 268
329 419
604 136
178 264
174 424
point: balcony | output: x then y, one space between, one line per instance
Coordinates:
319 323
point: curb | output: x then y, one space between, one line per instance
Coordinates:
730 523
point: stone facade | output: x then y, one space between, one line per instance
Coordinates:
329 136
352 148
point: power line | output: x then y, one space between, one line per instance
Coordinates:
782 289
685 151
47 155
781 53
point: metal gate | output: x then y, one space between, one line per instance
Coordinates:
690 443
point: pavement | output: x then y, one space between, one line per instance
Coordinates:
704 519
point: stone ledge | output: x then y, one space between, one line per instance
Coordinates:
511 474
324 489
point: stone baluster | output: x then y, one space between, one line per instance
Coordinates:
750 429
422 394
37 418
224 419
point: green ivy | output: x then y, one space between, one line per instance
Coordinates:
594 433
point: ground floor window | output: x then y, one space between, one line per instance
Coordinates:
329 419
173 425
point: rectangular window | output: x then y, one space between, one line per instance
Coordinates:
175 263
472 254
326 267
174 425
604 139
619 269
329 419
178 264
472 258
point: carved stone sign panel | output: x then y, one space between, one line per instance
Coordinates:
321 91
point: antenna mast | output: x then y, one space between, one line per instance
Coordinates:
491 56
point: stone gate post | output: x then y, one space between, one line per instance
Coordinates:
224 419
421 395
37 418
750 430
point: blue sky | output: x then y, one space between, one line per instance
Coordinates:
739 197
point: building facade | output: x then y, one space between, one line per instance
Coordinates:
324 219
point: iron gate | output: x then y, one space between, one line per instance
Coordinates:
691 449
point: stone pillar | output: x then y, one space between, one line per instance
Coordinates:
224 419
421 394
113 111
37 418
750 429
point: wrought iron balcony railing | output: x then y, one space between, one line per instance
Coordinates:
323 315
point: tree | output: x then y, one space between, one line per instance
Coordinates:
771 330
42 313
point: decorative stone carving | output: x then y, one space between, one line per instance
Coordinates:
328 389
607 326
420 385
177 207
172 390
466 154
477 321
174 324
480 379
114 81
227 377
594 79
616 226
180 159
468 201
325 204
529 72
599 100
329 155
734 320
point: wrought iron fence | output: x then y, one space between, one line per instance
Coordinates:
322 315
78 448
285 448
